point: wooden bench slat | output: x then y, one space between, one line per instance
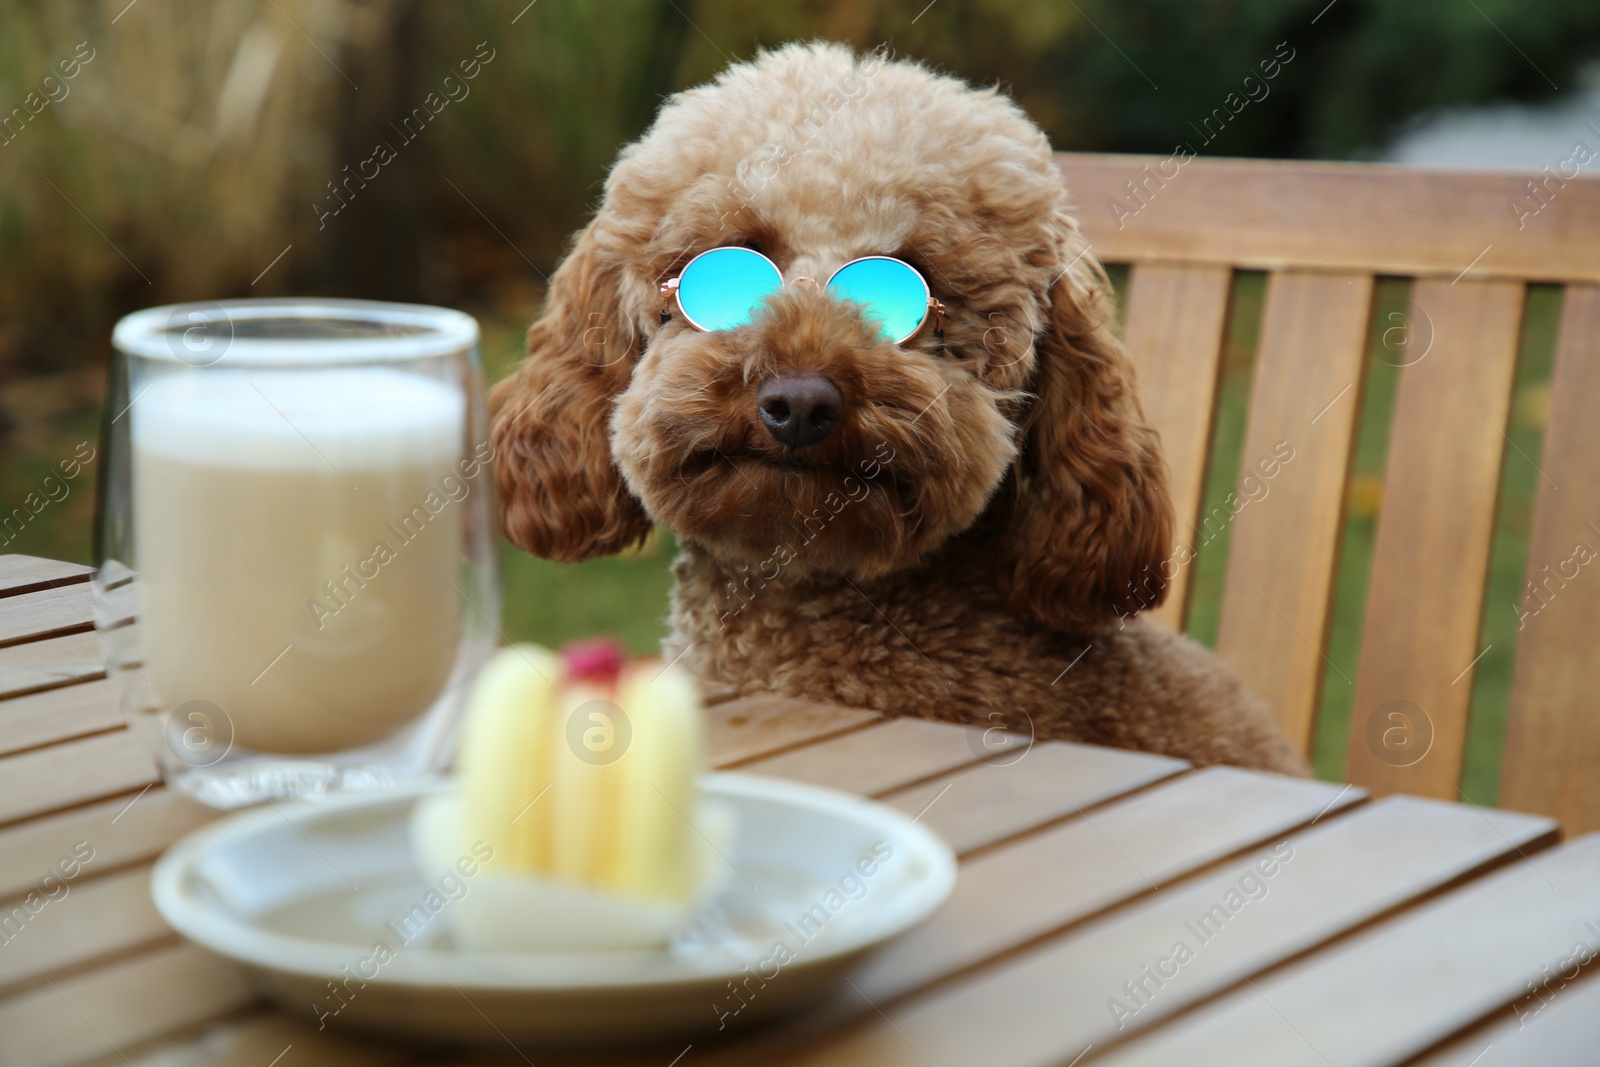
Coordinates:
879 758
1553 740
1434 531
1306 397
23 574
1050 780
70 773
1392 991
93 1014
748 728
1176 324
1271 214
1337 876
46 613
56 714
56 661
94 917
121 830
1559 1023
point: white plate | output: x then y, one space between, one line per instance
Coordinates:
302 895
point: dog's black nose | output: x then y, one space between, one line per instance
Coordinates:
799 409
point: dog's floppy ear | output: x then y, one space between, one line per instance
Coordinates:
1091 528
561 496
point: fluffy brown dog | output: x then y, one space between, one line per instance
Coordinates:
981 515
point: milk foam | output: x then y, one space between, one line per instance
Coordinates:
358 418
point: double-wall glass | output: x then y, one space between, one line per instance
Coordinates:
296 543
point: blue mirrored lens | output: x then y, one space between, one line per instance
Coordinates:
893 292
722 288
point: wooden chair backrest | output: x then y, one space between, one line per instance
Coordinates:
1325 231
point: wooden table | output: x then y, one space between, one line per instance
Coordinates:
1113 908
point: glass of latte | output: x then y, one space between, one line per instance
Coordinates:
296 542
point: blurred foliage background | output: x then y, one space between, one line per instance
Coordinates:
193 150
196 143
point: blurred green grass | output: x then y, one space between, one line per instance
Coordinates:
627 596
553 603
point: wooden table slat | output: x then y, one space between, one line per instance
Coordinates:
256 1039
1397 989
986 802
879 758
45 779
58 714
1324 881
23 574
46 613
124 829
1059 877
48 664
92 1015
94 917
1558 1023
749 728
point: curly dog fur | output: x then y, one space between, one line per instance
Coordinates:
974 539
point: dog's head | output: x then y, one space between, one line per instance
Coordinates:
803 440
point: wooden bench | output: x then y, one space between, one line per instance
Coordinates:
1325 232
1403 931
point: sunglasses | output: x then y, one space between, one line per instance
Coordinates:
721 289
